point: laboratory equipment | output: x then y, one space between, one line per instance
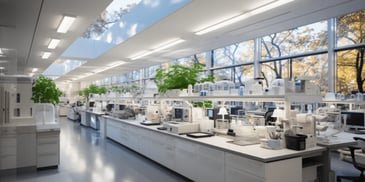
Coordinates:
302 84
253 87
181 127
180 114
353 120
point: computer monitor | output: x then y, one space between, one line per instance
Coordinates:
91 104
121 107
109 107
353 119
178 114
210 114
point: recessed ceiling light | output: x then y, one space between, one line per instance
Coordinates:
46 55
65 24
34 70
242 16
53 43
160 47
2 68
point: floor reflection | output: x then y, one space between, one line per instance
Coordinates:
87 156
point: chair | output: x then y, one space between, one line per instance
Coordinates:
357 154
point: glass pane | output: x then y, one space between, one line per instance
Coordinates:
299 40
273 70
234 54
351 29
348 71
315 66
243 73
222 74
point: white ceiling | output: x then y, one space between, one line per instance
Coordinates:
27 38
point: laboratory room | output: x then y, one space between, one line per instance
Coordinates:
182 90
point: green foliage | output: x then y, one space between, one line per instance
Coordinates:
204 104
179 77
93 89
115 89
44 90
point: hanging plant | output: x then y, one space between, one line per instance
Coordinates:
44 90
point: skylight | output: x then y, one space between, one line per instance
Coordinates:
126 18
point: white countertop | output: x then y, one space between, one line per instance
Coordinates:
250 151
48 127
92 112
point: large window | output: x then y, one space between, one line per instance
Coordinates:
351 29
350 63
299 40
350 71
234 54
301 51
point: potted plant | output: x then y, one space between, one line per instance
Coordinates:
45 95
179 77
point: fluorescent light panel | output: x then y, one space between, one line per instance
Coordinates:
234 19
46 55
162 46
34 70
65 24
2 68
110 66
53 43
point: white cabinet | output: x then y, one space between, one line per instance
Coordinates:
186 159
48 149
117 131
200 162
7 151
211 164
26 149
17 147
238 168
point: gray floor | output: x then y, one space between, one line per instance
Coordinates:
86 156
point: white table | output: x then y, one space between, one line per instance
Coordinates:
335 142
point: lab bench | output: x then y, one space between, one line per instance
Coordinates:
214 158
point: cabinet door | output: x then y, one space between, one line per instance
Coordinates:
26 147
236 175
7 152
186 159
211 164
48 149
124 134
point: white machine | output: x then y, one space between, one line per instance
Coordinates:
181 127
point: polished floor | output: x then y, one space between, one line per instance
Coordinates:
86 156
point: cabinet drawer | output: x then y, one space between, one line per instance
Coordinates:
50 140
8 162
234 175
244 164
211 153
47 160
185 145
9 150
113 123
8 142
48 149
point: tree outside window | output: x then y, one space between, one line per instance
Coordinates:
350 63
